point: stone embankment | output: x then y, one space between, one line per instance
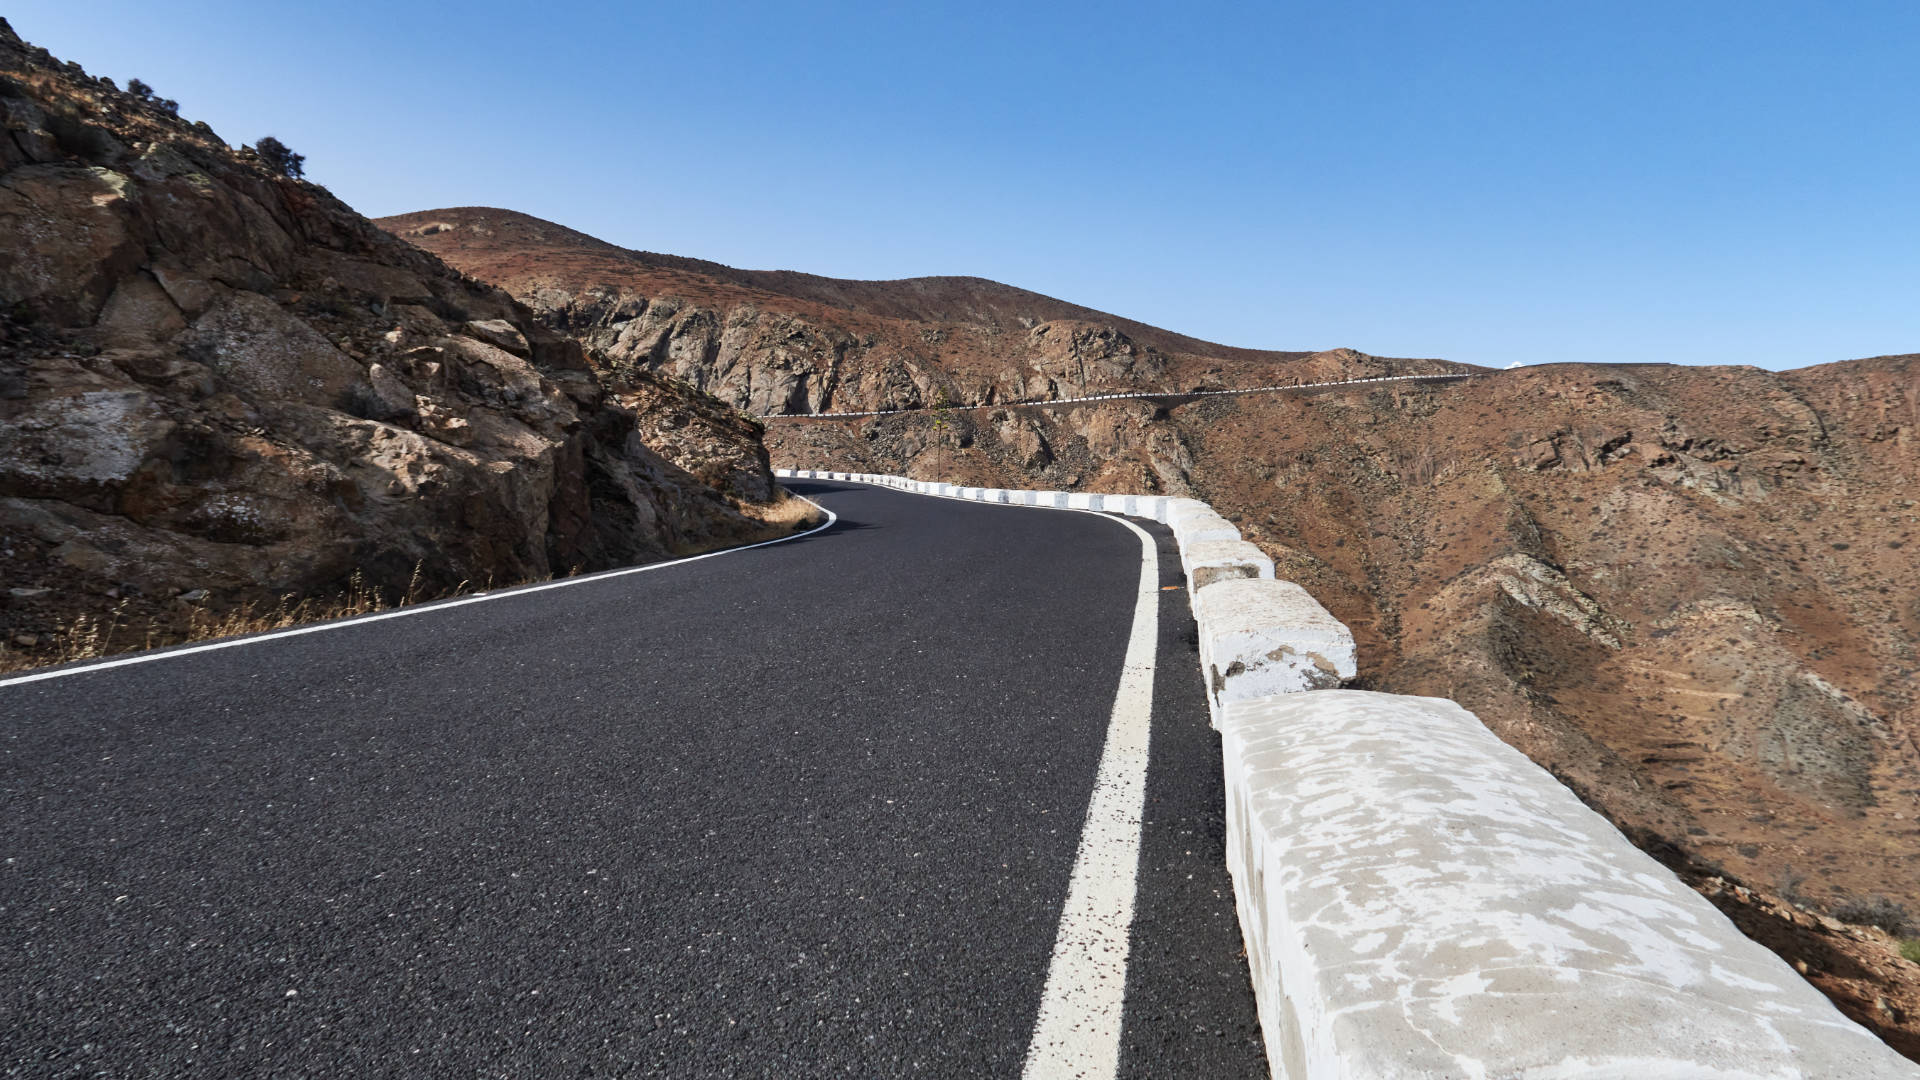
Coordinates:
1420 899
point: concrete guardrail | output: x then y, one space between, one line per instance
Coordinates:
1419 899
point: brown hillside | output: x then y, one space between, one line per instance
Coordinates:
511 245
774 342
1689 592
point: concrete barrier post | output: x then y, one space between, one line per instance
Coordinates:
1259 638
1195 524
1209 561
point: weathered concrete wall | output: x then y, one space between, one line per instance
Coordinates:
1419 899
1220 560
1259 638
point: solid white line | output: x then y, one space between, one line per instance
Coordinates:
401 613
1077 1033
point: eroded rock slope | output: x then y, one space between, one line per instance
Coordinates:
222 383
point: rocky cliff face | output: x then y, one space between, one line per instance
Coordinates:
225 383
1689 592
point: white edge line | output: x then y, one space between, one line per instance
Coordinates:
1077 1030
1082 1007
418 609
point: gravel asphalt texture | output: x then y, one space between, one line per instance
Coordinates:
803 810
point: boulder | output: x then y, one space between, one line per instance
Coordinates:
500 334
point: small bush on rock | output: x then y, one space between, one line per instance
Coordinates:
276 156
1787 886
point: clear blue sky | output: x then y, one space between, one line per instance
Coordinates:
1493 182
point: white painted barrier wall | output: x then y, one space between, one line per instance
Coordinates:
1261 637
1208 561
1196 522
1421 900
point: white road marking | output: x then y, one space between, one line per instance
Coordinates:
401 613
1077 1033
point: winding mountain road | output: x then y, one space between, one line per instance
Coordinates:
806 809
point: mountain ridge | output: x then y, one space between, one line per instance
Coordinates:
876 296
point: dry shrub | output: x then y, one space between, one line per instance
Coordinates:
786 515
788 511
1884 912
91 637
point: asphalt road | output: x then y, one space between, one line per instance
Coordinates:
803 810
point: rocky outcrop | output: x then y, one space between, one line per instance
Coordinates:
219 382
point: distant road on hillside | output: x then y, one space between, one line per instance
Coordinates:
1163 397
808 809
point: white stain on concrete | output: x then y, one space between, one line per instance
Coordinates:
1419 899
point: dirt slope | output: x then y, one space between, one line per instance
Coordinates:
1689 592
222 384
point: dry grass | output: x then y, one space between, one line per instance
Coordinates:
90 636
786 515
791 511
